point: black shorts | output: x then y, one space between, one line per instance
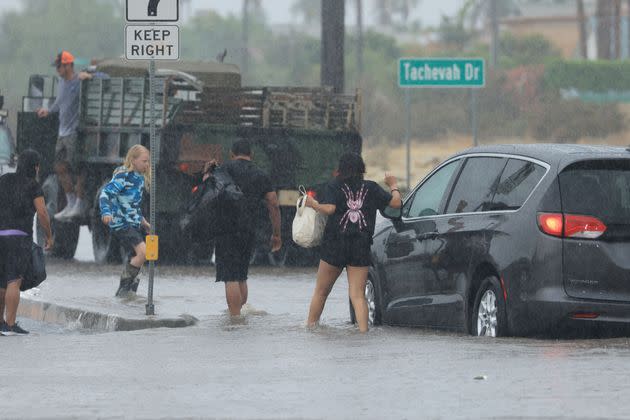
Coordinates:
129 238
232 255
15 258
343 251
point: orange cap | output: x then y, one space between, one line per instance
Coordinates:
64 57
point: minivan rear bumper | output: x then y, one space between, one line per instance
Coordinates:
551 308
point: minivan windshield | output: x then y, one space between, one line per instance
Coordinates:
599 188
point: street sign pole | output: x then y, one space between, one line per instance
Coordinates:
152 42
408 136
474 122
440 72
150 308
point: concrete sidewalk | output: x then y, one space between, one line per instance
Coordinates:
81 295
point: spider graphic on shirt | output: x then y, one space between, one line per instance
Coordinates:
354 214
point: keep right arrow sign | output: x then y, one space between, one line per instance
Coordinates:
152 10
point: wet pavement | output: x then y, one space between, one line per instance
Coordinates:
267 365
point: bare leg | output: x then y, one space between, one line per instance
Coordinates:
12 300
233 297
80 185
243 286
62 169
357 277
2 293
326 277
141 255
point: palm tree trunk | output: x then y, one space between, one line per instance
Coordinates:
494 46
603 29
245 40
617 7
582 29
360 39
333 33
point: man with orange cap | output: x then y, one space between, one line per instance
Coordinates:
67 105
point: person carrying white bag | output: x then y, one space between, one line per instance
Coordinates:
308 225
351 203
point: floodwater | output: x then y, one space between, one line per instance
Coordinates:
268 365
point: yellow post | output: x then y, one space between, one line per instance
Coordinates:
152 247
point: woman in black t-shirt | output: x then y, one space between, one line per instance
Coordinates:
21 197
351 204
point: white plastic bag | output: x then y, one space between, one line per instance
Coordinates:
308 225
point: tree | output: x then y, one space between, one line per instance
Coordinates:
582 28
309 10
333 34
604 28
392 12
249 7
359 4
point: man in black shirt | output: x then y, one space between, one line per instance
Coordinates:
235 244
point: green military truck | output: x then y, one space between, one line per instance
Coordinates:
297 134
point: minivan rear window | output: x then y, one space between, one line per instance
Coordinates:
476 185
599 188
518 180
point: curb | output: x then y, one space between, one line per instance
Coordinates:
96 321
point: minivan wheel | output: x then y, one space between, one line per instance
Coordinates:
373 304
488 316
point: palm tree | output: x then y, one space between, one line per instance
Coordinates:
604 28
582 29
387 9
249 7
309 10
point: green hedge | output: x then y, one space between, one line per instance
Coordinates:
595 76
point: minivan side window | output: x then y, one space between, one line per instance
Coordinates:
518 180
476 185
427 199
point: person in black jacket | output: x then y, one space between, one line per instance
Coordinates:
351 204
21 197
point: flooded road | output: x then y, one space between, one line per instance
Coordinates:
268 365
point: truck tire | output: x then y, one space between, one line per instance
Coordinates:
66 235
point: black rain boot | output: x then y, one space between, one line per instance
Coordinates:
127 279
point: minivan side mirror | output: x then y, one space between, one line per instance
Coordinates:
392 213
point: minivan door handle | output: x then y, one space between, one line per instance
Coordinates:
429 235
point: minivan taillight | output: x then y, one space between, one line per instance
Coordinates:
551 223
571 225
585 227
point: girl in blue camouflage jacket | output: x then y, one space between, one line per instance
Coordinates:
120 203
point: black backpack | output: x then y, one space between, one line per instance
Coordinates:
207 198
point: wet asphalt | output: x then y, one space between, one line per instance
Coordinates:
268 365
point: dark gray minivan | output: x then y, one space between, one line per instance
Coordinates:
509 240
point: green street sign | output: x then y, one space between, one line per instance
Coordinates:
441 72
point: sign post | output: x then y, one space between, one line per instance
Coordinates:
440 72
152 42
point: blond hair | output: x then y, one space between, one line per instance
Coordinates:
133 153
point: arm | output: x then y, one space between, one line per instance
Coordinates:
108 194
327 209
392 183
84 75
43 112
44 221
271 200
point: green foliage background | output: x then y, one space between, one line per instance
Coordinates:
30 38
